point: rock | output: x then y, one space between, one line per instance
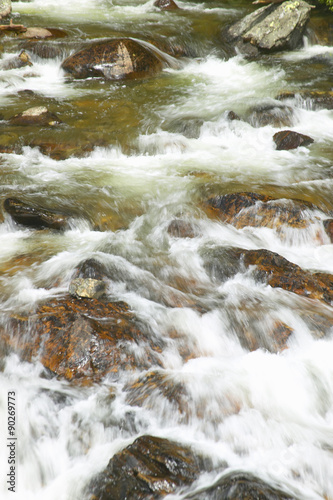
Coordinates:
232 116
269 267
272 28
166 4
82 340
256 210
44 50
40 33
310 99
38 115
187 126
241 486
328 225
19 61
87 288
91 268
271 114
5 8
35 217
180 228
120 58
59 150
148 469
288 139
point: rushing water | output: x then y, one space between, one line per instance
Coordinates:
270 414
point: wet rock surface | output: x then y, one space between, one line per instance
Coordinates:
241 486
19 61
122 58
271 28
38 115
269 267
288 139
270 114
82 340
166 5
148 469
311 99
33 216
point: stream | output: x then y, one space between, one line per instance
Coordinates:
153 151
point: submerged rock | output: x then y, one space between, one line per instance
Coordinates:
148 469
34 217
241 486
38 115
272 114
271 28
288 139
310 99
19 61
120 58
269 267
5 8
81 340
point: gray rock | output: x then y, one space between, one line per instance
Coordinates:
273 27
87 288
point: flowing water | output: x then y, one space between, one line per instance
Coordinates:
262 412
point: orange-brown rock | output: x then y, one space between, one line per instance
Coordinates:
120 58
269 267
148 469
257 210
82 339
288 139
33 216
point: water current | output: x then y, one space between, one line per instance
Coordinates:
258 411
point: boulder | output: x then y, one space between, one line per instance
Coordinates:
241 486
19 61
166 4
40 33
268 267
5 8
44 50
271 114
179 228
38 115
271 28
116 59
150 468
288 139
257 210
35 217
82 340
310 98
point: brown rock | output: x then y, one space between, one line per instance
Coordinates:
276 116
116 59
179 228
81 340
256 210
40 33
44 50
271 268
288 139
35 217
328 225
310 98
166 4
241 486
148 469
38 115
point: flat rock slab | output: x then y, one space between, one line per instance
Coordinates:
82 340
274 27
33 216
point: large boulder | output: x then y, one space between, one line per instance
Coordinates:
148 469
82 340
271 28
120 58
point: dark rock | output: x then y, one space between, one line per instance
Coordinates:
116 59
39 115
328 226
232 116
310 99
273 27
275 115
148 469
19 61
288 139
35 217
44 50
81 339
240 486
166 4
91 268
186 126
180 228
224 262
